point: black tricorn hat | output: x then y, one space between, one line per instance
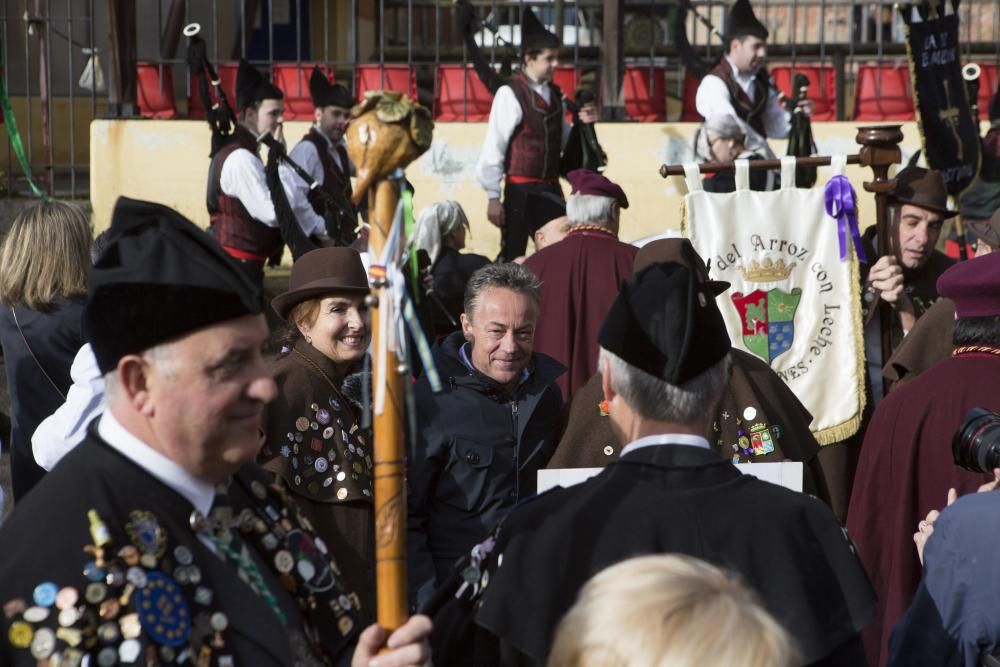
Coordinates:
666 323
253 87
534 35
326 94
541 208
742 22
159 277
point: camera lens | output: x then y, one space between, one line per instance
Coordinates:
976 444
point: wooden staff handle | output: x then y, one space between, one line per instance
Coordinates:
391 588
711 167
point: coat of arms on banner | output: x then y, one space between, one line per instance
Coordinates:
768 317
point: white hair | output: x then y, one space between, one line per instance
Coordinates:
652 398
723 125
160 356
590 210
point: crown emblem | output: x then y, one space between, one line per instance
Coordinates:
767 271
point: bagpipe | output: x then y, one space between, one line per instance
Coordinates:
583 150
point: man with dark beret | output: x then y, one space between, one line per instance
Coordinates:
580 276
758 418
906 465
664 364
242 214
546 217
323 154
156 540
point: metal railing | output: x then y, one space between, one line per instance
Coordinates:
47 44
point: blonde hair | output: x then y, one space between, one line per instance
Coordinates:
668 611
45 256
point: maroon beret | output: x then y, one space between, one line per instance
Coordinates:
974 286
587 182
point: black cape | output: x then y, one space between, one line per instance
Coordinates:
678 499
44 541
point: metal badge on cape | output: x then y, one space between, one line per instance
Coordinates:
949 133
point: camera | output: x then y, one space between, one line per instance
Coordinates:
976 444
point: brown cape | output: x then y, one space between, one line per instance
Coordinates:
581 276
928 342
588 440
905 470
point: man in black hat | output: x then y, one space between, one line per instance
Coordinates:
239 202
525 137
664 364
323 154
157 539
905 277
739 85
545 213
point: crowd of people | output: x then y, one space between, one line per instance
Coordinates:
193 463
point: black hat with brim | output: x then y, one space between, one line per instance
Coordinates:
666 323
534 35
160 277
326 94
252 87
742 22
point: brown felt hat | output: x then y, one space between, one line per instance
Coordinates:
987 231
924 188
680 251
320 272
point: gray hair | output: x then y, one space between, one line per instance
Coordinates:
508 275
652 398
160 356
590 210
724 125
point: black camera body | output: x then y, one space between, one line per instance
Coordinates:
976 444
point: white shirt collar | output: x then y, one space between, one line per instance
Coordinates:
740 76
199 493
535 85
666 439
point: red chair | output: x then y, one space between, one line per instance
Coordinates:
460 95
227 76
155 93
883 93
989 77
689 112
399 78
822 87
645 93
567 77
293 79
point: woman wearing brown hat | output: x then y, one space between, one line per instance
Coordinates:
312 440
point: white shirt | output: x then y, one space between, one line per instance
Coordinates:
243 178
505 116
305 155
199 493
713 99
666 439
66 428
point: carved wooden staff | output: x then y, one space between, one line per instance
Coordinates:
387 133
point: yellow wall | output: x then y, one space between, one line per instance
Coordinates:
167 161
60 121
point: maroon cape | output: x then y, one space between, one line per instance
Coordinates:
905 470
580 278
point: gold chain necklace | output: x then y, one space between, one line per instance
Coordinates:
975 349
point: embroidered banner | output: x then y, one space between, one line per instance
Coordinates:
950 136
793 302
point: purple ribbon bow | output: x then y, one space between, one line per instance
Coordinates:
840 204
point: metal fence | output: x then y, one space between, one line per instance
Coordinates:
66 62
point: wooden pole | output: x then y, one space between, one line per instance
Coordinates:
387 133
880 150
711 167
390 497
